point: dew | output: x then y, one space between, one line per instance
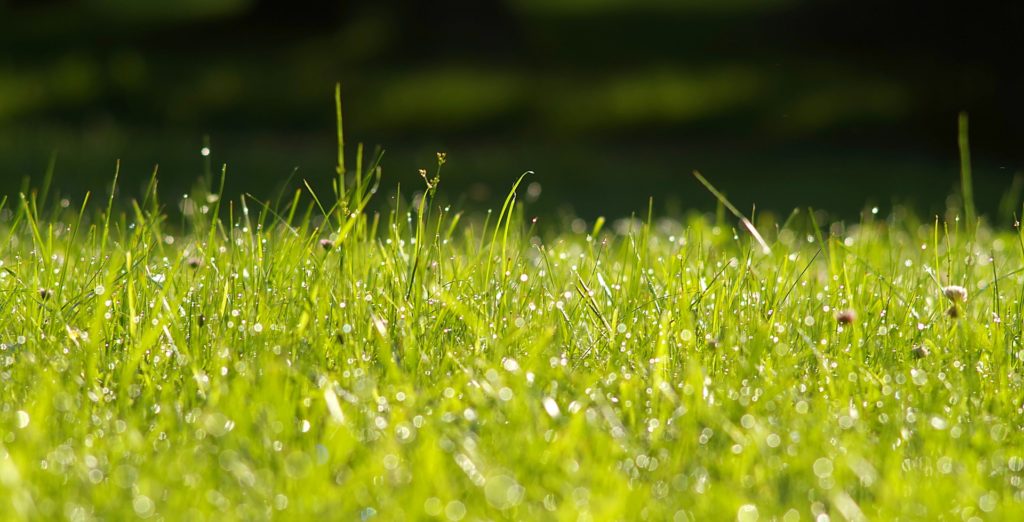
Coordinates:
205 151
919 376
433 506
747 513
1016 464
23 419
280 502
945 465
551 407
823 467
455 510
99 290
404 432
510 365
142 505
988 501
505 394
503 492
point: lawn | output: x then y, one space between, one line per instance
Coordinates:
358 353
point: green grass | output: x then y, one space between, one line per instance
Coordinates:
217 360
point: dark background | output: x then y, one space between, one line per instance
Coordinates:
783 103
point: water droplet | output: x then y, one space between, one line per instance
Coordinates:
551 407
747 513
823 467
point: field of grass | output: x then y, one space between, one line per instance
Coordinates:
312 359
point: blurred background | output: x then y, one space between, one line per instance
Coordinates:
783 103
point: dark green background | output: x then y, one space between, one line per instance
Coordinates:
783 103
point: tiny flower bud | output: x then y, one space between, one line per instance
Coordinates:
326 244
194 262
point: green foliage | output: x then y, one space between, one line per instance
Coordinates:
309 359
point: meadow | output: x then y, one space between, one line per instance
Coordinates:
364 353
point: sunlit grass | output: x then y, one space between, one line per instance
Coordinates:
310 359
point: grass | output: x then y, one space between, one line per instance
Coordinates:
310 358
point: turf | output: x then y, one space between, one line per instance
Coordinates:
311 359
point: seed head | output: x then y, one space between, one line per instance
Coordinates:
920 351
194 262
45 293
846 316
955 293
326 244
953 312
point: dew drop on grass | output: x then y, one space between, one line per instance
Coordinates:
280 502
510 365
503 492
919 376
23 419
551 407
142 505
988 502
455 510
823 467
747 513
432 506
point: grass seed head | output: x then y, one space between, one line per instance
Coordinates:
920 351
45 293
194 262
955 293
846 316
326 244
953 312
